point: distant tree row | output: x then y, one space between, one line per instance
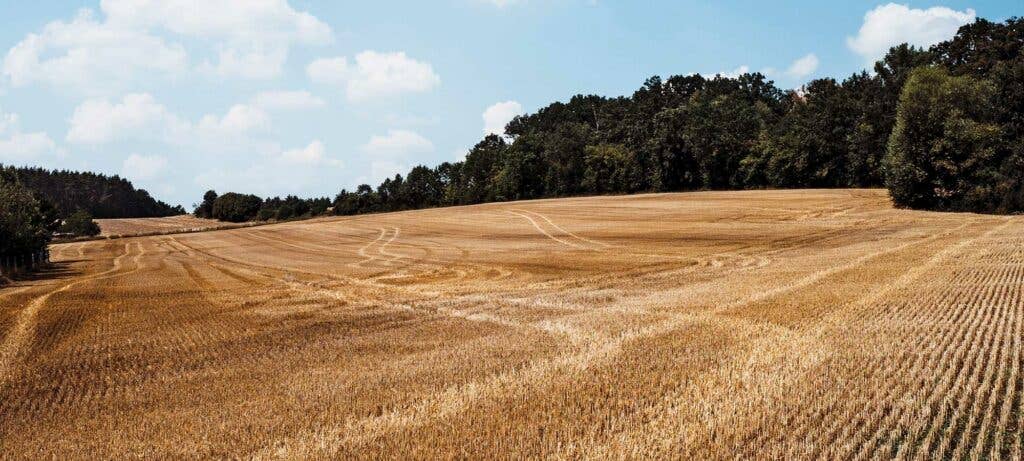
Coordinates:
942 128
235 207
98 195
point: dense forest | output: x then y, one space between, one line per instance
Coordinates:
98 195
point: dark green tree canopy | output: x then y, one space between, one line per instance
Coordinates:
943 151
100 195
26 222
205 209
233 207
79 224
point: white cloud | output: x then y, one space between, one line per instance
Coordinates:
803 67
23 146
16 146
498 115
230 20
90 56
240 118
140 116
328 70
143 167
287 100
390 73
250 39
99 121
397 143
892 24
313 154
256 62
375 74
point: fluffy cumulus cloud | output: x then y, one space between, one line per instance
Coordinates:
255 62
375 74
803 67
333 71
497 116
313 154
892 24
261 21
88 55
138 40
25 146
99 121
16 146
239 119
143 167
140 116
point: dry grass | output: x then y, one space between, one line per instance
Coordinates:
801 324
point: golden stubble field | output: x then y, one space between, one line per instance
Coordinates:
137 226
796 324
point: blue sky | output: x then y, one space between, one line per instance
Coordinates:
305 97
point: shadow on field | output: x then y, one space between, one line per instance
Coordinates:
52 271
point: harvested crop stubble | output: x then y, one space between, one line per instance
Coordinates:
138 226
763 324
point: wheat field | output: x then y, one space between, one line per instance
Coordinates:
713 325
137 226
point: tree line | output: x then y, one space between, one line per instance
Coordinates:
942 128
235 207
99 195
37 205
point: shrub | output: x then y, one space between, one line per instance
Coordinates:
24 224
234 207
80 224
